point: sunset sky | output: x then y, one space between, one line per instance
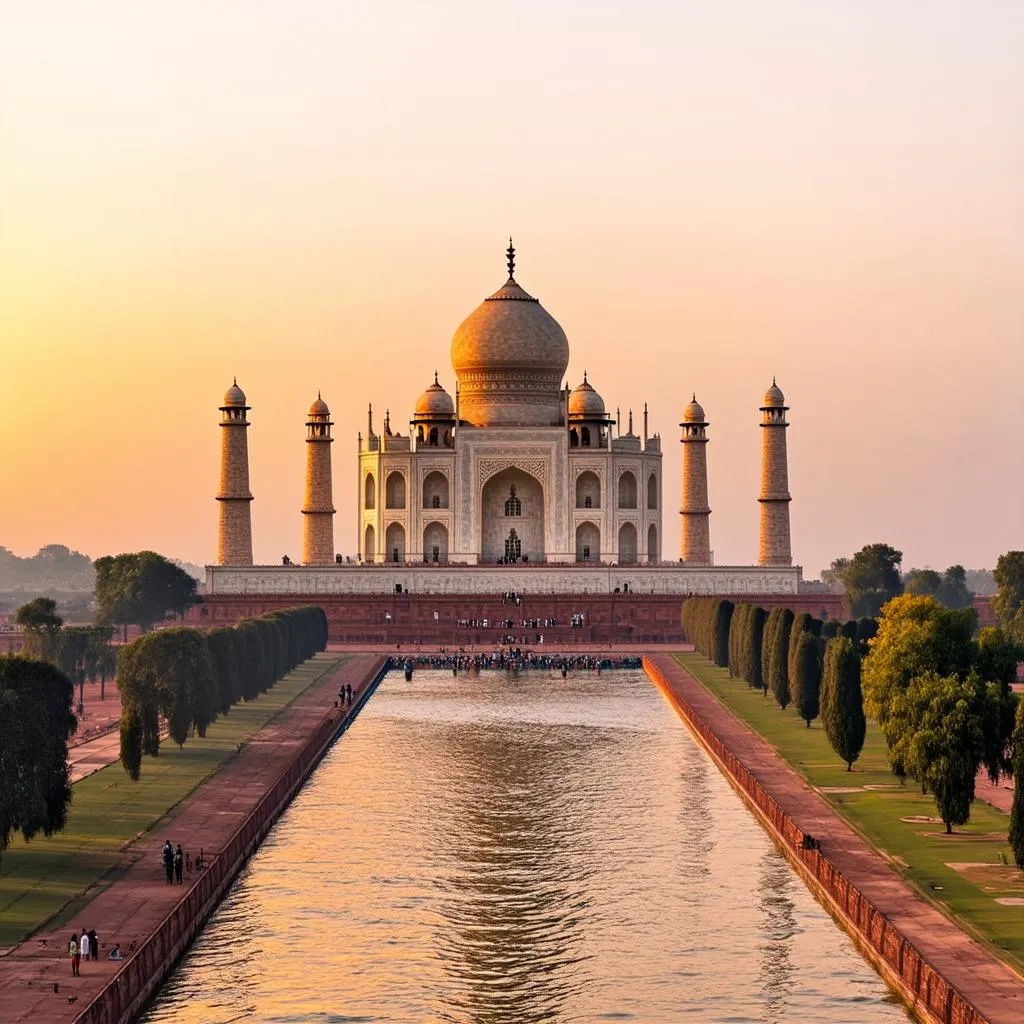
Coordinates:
314 195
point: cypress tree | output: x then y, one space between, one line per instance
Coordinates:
829 629
720 633
1017 810
842 704
778 678
755 635
771 626
849 629
801 624
807 676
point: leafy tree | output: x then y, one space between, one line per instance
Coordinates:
922 582
42 626
997 656
1017 809
953 591
942 743
842 705
915 635
1009 595
872 578
806 678
35 722
834 575
141 589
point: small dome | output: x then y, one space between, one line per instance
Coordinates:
435 403
773 397
234 395
319 407
585 402
694 412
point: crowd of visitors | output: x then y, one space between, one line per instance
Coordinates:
516 659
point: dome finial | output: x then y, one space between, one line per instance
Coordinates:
510 253
584 376
318 395
234 381
774 385
435 376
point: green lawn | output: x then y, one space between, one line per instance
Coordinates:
49 877
919 851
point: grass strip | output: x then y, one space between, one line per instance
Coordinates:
917 849
49 877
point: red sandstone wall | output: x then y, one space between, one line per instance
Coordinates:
138 980
619 618
923 985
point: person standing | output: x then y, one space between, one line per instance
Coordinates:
169 861
94 945
84 943
179 863
75 952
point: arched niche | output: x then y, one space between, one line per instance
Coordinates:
394 543
653 552
435 543
394 490
588 543
627 544
627 489
369 544
369 492
652 491
588 490
512 500
435 490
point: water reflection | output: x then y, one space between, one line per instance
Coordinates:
494 851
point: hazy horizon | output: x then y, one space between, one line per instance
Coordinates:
704 195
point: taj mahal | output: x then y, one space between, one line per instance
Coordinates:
516 481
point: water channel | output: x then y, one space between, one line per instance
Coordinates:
501 850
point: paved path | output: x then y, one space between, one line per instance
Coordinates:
982 979
132 907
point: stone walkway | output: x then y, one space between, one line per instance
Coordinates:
130 908
983 980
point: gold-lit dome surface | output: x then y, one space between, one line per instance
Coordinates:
510 356
773 397
319 408
234 395
435 402
585 402
694 412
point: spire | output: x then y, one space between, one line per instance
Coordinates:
318 395
510 254
234 382
645 424
435 376
369 421
584 376
630 422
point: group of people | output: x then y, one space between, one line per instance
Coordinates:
516 659
88 948
345 695
178 863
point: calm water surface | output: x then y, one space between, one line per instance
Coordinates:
503 851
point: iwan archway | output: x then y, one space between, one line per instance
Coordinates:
512 518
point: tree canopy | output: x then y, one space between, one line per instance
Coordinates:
35 722
141 589
842 705
871 578
949 588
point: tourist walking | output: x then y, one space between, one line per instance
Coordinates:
169 861
76 954
94 945
179 863
84 943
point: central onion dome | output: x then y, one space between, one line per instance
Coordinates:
510 356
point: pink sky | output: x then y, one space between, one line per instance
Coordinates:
313 196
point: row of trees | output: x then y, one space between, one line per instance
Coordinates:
82 653
790 656
36 721
187 677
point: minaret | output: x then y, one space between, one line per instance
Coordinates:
234 532
318 511
774 546
696 546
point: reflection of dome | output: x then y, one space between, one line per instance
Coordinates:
510 355
435 403
319 407
586 403
694 412
773 397
234 395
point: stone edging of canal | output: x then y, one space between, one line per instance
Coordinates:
282 754
940 972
